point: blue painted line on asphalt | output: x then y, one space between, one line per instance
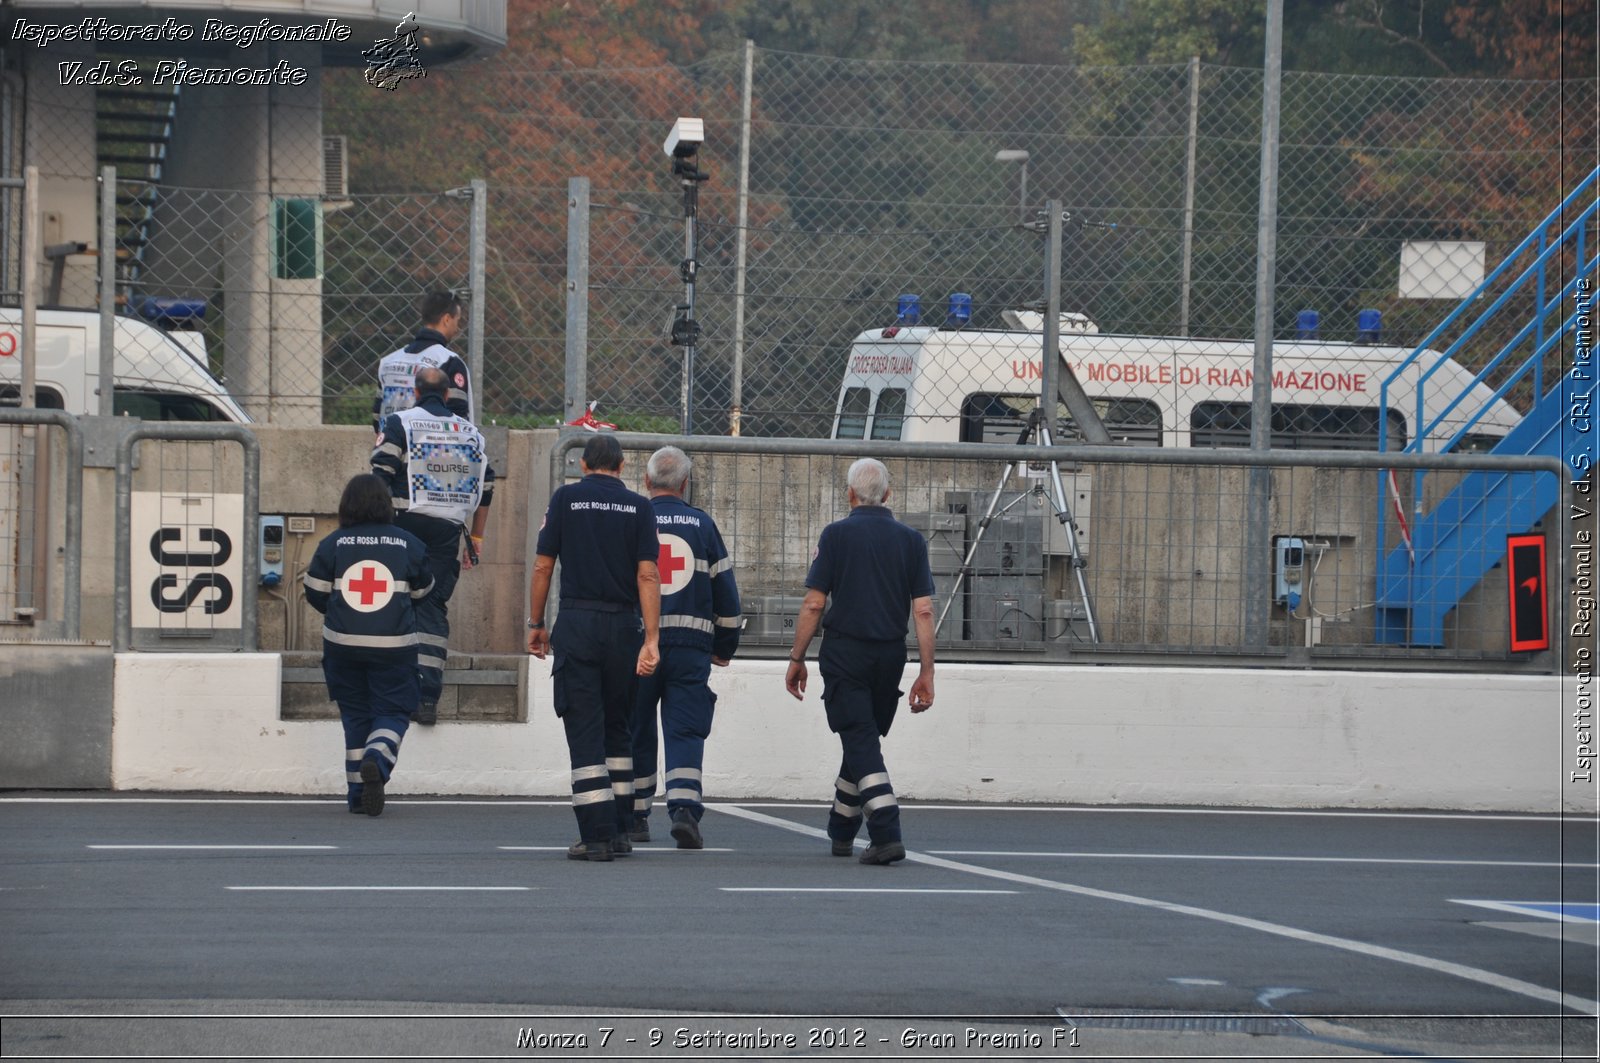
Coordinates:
1565 911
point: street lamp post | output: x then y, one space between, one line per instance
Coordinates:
1018 155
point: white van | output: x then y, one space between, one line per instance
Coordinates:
979 386
161 374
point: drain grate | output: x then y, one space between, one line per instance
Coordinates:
1179 1021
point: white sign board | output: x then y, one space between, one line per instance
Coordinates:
187 563
1440 269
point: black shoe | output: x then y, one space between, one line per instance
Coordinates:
640 831
582 850
621 846
842 847
427 714
685 831
371 788
885 853
357 810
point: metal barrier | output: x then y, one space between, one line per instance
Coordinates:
1163 533
123 639
72 578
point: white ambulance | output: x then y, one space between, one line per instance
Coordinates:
918 382
162 374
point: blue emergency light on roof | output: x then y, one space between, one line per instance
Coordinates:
908 310
1306 324
171 310
1369 326
960 310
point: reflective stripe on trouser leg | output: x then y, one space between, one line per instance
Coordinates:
883 811
383 745
431 654
644 792
683 791
620 770
844 819
592 801
352 776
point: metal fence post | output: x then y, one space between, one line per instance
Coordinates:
477 254
577 297
72 578
1257 582
744 238
1191 149
108 289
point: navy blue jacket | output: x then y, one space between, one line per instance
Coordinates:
699 599
364 579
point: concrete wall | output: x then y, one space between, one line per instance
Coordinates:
996 733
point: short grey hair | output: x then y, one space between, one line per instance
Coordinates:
869 480
668 469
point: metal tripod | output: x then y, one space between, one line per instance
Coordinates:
1036 424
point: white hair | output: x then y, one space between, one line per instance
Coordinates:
869 480
668 469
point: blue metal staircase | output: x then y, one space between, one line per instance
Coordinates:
1463 537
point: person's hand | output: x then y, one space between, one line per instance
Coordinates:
539 642
720 662
921 697
795 679
649 657
471 557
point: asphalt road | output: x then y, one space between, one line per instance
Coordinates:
457 929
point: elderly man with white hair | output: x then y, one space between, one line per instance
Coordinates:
875 571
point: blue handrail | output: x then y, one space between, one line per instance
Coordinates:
1546 251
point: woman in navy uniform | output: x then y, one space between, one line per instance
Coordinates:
365 578
876 571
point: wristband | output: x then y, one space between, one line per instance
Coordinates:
798 660
535 625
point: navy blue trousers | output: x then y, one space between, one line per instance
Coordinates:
860 691
443 540
376 691
687 703
595 654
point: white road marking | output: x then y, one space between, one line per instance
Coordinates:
1516 908
1412 959
638 847
390 889
845 889
271 847
566 802
1264 859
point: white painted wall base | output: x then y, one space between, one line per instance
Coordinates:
1084 735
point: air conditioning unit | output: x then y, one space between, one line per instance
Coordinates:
335 173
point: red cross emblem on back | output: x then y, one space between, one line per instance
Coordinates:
368 585
675 562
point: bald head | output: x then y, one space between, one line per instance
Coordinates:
430 380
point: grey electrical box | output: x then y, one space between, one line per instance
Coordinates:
1005 609
775 617
954 628
1013 543
947 539
1065 618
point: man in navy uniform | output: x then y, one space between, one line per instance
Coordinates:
441 479
699 628
365 579
441 324
607 634
876 571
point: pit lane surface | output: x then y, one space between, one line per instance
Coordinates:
1354 922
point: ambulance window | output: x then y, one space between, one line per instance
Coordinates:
1295 426
45 398
890 416
163 406
989 418
853 414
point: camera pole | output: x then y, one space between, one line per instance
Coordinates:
685 329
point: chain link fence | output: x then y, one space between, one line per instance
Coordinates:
866 180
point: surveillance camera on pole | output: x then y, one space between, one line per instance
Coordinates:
681 146
685 139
